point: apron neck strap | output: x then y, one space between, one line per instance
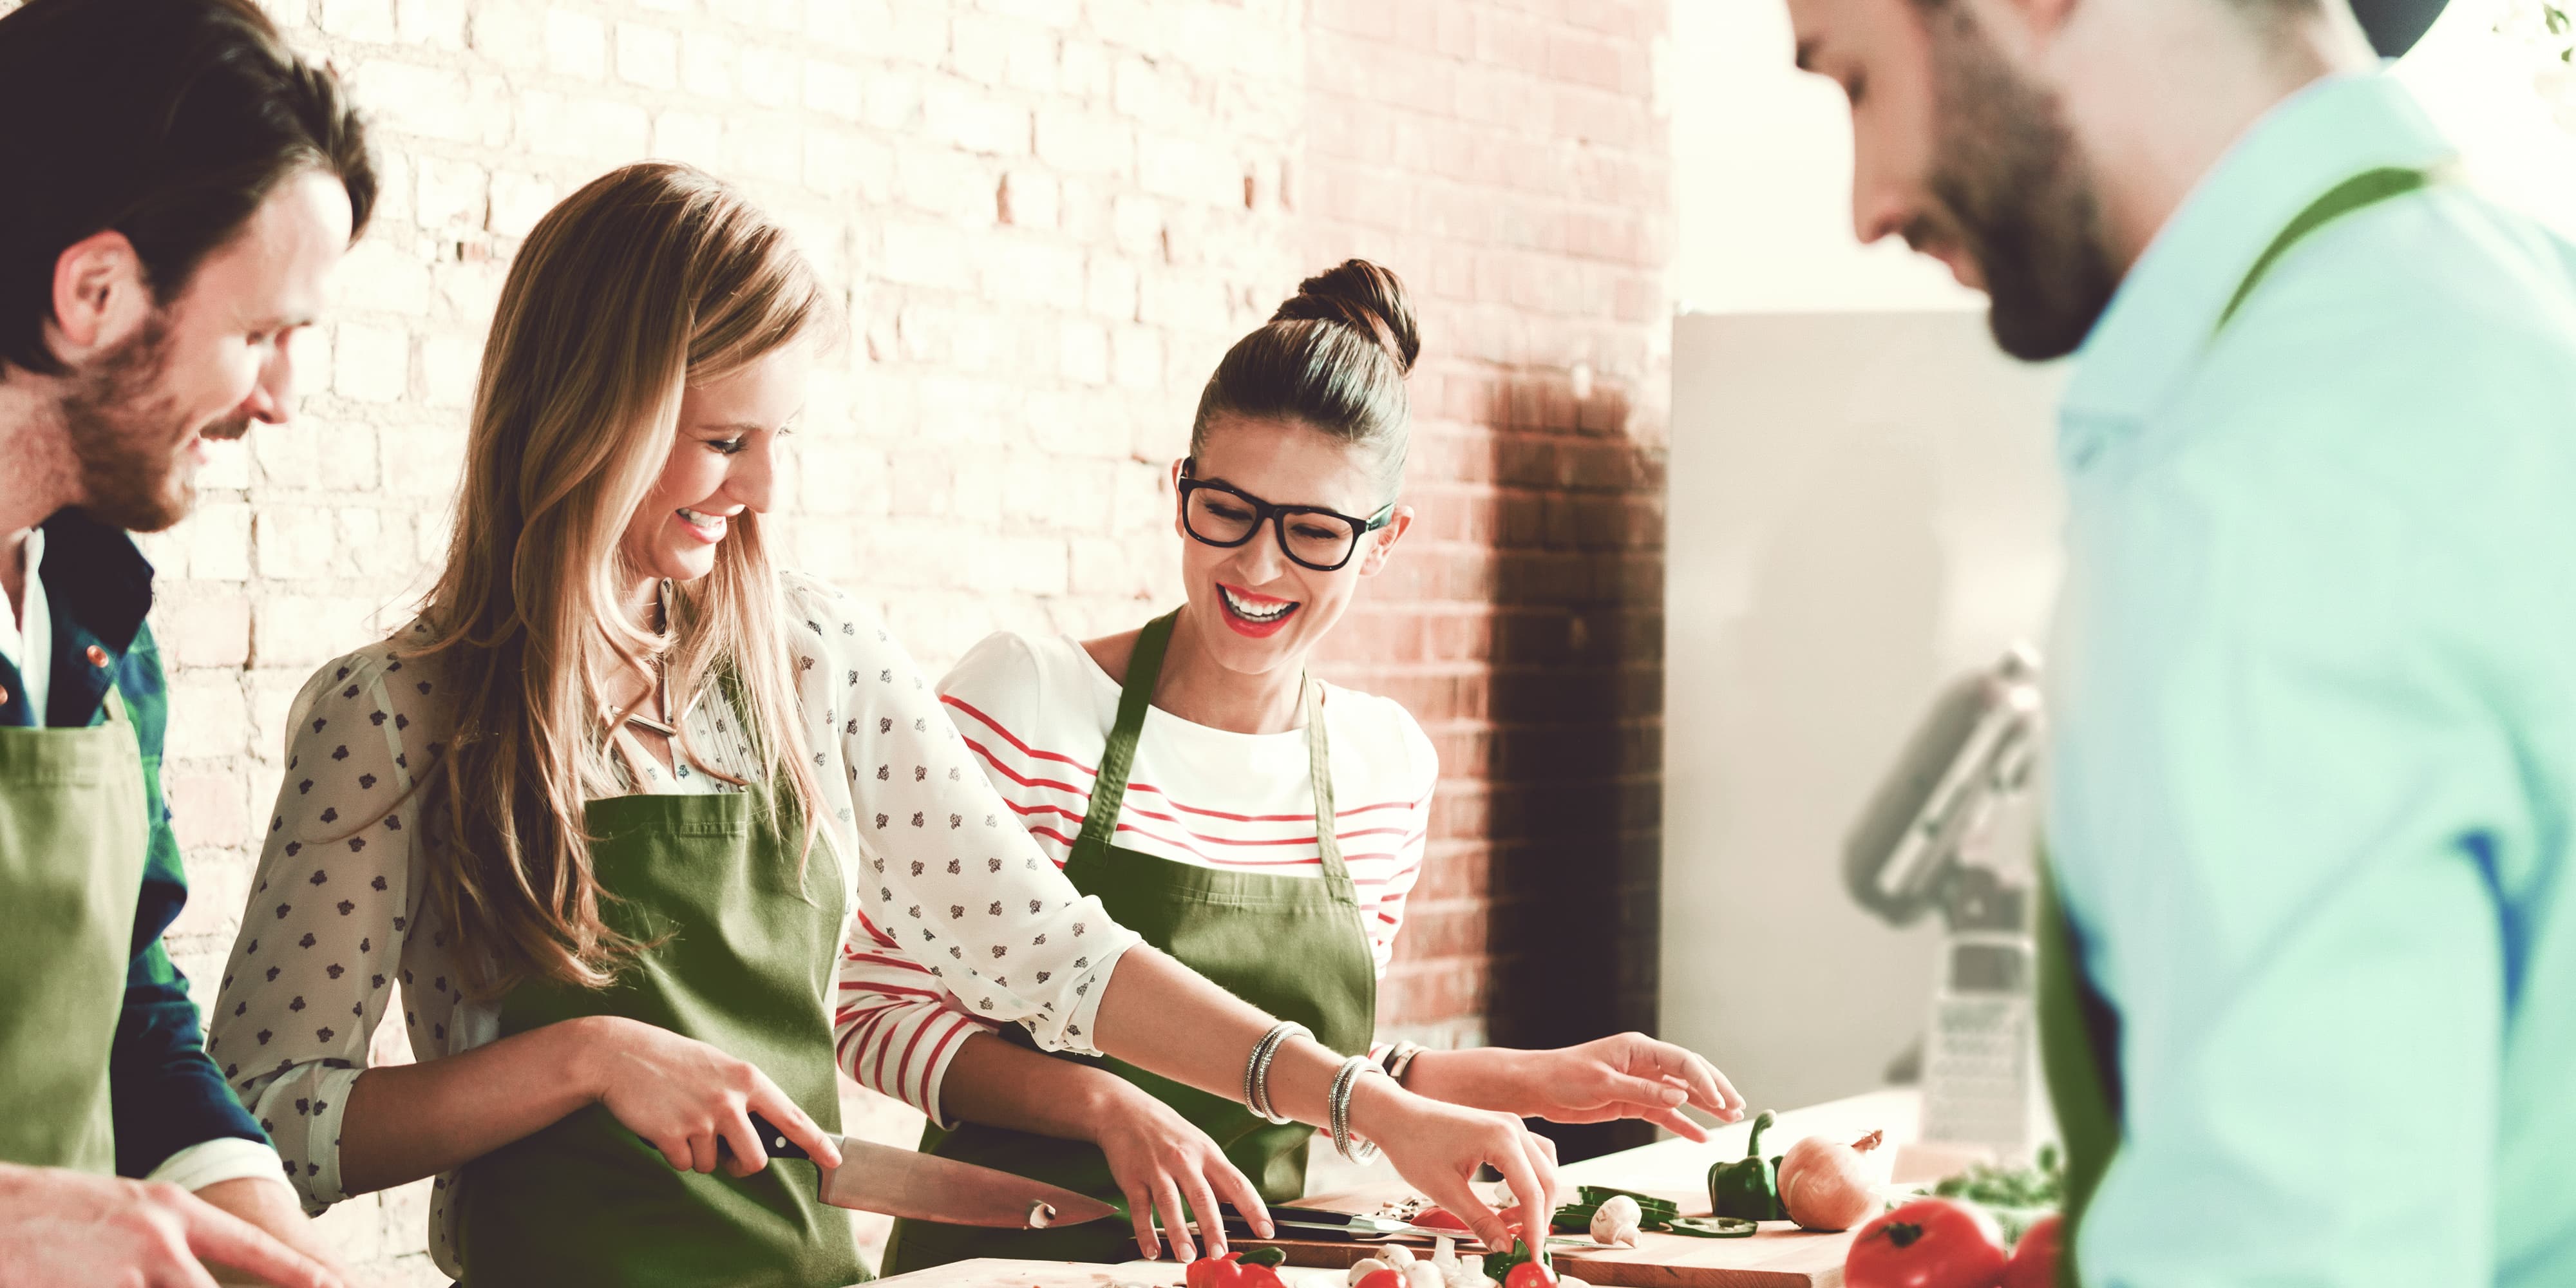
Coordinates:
1118 758
2368 188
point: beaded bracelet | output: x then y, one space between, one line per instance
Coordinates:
1256 1070
1338 1109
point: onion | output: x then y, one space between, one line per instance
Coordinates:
1826 1186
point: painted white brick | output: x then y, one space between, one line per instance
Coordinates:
833 89
209 717
1028 198
294 540
767 147
1188 170
305 630
1136 356
1023 270
938 180
694 137
451 194
926 254
377 274
370 363
1111 289
913 31
1137 224
964 116
1085 142
519 200
1084 357
841 164
424 461
214 541
413 99
836 24
588 127
1082 70
449 363
576 44
368 20
893 97
770 77
439 24
707 63
648 56
510 33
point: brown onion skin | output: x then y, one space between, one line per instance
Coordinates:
1824 1184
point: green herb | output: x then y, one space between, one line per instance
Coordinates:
1266 1257
1715 1227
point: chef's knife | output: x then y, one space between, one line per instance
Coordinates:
1327 1225
926 1187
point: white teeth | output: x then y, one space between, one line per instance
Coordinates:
1250 614
701 520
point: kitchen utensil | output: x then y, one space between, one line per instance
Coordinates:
925 1187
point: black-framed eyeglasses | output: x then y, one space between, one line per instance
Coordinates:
1219 514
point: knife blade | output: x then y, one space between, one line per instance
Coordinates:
926 1187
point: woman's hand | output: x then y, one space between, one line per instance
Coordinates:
61 1227
1437 1147
1627 1076
687 1099
1160 1160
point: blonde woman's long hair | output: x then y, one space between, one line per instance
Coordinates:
651 279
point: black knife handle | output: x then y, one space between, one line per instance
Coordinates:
772 1140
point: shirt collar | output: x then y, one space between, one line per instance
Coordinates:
96 581
2161 317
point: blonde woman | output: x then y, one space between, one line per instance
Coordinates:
1263 827
607 810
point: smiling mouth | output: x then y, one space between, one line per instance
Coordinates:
709 526
1259 610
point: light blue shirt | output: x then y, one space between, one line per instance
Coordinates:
2315 727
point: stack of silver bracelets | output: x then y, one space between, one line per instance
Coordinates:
1256 1089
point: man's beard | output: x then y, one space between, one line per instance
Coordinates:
126 431
2014 180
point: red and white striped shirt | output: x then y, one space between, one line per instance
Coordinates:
1036 714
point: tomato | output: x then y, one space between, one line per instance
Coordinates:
1381 1279
2034 1259
1215 1272
1529 1274
1252 1276
1438 1219
1929 1243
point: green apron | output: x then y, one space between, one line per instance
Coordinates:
2079 1029
739 957
1293 946
72 835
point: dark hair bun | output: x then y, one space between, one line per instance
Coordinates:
1363 297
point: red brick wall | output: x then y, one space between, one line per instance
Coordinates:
1510 158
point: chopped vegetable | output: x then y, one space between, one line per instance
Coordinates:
1824 1185
1379 1278
1214 1272
1929 1243
1748 1187
1615 1221
1250 1274
1433 1218
1530 1274
2042 1184
2034 1258
1363 1268
1715 1227
1266 1257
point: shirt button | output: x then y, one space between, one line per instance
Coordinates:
97 655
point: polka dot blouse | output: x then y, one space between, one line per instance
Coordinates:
338 933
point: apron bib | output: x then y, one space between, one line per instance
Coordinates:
1293 946
739 958
72 836
2079 1028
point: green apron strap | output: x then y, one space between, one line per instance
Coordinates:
1319 766
2368 188
1135 694
2079 1047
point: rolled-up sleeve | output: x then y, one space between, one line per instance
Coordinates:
948 870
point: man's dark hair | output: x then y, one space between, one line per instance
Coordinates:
169 121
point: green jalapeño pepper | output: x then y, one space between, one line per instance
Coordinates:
1749 1187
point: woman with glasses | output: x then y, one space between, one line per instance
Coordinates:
1260 825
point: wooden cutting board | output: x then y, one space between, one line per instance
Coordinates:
995 1272
1781 1256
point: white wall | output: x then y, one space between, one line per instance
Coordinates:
1863 507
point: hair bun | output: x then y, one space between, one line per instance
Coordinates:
1363 297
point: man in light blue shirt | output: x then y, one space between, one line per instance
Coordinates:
2315 719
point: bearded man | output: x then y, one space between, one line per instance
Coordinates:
180 185
2310 967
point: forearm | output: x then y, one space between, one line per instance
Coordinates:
1159 1015
270 1205
1484 1078
1002 1084
408 1121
